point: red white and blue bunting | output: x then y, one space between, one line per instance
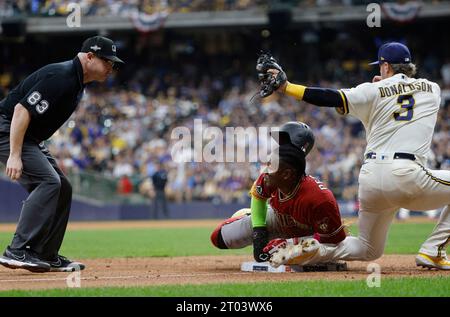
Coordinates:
148 22
401 12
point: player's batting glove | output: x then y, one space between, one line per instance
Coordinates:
269 82
282 251
260 239
274 245
309 245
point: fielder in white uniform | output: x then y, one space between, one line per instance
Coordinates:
399 114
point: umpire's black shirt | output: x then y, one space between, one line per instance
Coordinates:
159 179
50 94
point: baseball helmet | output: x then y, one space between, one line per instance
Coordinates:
298 134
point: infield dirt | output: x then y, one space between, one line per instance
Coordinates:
196 270
188 270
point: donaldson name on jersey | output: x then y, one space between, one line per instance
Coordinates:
388 107
400 88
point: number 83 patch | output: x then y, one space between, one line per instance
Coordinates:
35 99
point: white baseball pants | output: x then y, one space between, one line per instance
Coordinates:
384 187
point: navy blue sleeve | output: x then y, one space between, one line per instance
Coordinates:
324 97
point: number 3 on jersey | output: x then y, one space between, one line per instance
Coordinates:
406 102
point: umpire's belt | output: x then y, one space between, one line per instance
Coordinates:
397 155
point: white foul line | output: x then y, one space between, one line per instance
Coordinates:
156 275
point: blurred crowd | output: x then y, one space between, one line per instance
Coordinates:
126 7
121 7
127 134
123 129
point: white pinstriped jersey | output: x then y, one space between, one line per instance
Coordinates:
399 113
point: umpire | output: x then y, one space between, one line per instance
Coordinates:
159 179
29 115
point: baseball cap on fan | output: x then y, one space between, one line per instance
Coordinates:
102 47
393 53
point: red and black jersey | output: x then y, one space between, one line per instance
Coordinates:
311 207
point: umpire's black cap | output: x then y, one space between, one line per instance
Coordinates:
103 47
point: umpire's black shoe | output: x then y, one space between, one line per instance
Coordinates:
63 264
23 259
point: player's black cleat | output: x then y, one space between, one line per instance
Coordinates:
63 264
23 259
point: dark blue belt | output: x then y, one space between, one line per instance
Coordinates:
397 155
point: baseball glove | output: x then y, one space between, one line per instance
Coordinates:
269 79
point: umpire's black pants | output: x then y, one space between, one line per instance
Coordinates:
160 201
45 213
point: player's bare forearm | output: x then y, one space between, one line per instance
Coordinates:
19 125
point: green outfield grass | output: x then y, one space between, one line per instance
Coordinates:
404 238
389 287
